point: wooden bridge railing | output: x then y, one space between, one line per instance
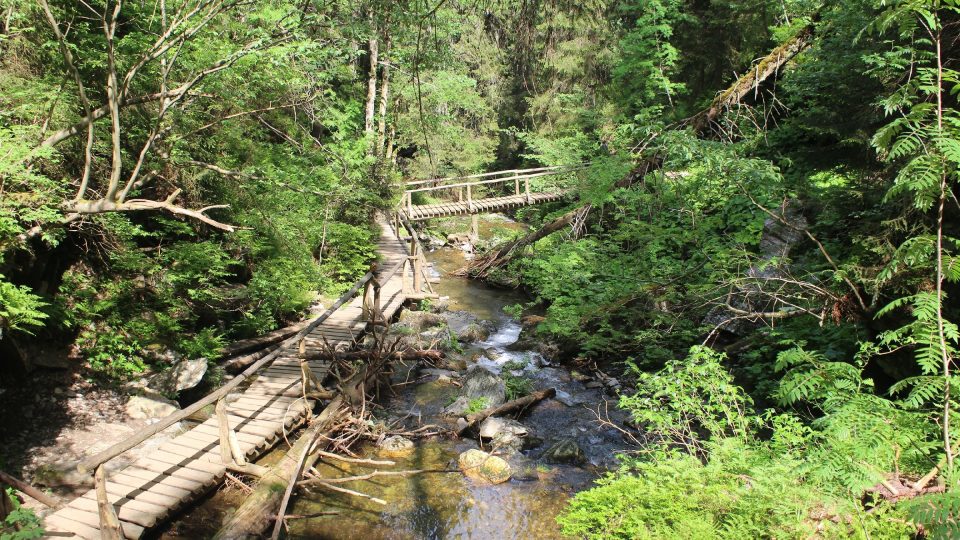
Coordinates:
231 454
467 183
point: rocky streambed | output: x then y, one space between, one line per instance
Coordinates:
509 477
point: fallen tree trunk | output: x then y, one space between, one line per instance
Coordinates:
482 266
510 406
258 511
245 345
239 363
767 67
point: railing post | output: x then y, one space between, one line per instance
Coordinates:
229 444
516 183
526 189
469 198
410 203
378 314
460 194
366 308
417 275
474 228
109 522
308 381
404 285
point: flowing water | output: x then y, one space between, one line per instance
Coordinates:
447 504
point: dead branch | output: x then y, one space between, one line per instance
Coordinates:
27 489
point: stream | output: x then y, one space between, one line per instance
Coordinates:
449 504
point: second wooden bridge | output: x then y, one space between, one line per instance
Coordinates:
482 193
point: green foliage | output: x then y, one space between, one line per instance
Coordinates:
21 523
19 308
517 386
741 491
476 405
690 400
111 355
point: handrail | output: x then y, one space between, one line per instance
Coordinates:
89 464
483 182
494 173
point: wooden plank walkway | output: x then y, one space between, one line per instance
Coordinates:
154 488
489 204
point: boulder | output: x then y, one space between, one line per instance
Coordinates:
458 407
420 320
396 446
473 333
182 375
145 408
480 382
565 451
479 465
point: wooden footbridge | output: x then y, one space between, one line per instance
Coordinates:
254 411
482 193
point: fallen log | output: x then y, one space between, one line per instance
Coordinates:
239 363
29 490
482 266
260 509
510 406
270 338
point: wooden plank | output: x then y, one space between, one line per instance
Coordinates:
165 488
153 477
241 435
58 522
160 500
88 521
127 510
163 461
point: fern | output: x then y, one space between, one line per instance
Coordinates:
939 514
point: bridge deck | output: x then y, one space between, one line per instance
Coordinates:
186 467
489 204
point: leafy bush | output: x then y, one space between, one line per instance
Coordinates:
20 309
21 523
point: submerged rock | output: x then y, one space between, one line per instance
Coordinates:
480 465
565 451
396 446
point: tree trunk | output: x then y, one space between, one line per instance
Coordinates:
259 510
373 47
384 96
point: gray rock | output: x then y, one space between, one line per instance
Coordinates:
480 382
142 408
473 333
494 426
503 434
594 384
182 375
565 451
